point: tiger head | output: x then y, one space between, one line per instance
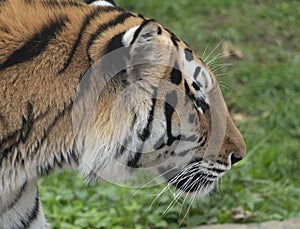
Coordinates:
161 110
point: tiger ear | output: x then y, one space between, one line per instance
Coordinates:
146 51
142 34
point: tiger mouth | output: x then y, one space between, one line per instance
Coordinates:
193 182
194 178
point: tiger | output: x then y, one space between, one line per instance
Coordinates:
106 92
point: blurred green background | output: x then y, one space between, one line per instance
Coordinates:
262 91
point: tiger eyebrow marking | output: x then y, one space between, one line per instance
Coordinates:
102 28
36 44
84 25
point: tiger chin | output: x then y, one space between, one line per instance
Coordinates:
108 93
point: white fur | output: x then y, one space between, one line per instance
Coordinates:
101 3
128 36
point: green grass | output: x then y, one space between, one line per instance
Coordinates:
263 90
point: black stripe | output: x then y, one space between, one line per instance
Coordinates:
217 170
11 141
121 150
191 138
84 25
16 199
137 32
141 16
123 146
73 157
196 73
195 86
187 151
160 143
171 102
102 28
58 162
187 181
159 31
20 135
176 75
27 123
47 168
187 91
31 215
200 102
115 43
133 121
116 61
202 139
37 44
188 54
146 132
174 39
133 161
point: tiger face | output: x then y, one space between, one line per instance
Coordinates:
161 110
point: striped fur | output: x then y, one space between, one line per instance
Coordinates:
162 110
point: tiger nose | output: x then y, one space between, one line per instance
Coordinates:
235 158
236 144
238 151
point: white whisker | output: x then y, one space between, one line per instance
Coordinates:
214 49
152 180
220 66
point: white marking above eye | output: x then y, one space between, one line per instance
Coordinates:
128 36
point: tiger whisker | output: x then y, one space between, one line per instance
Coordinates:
214 49
204 52
180 193
220 66
197 182
221 74
152 180
215 58
173 180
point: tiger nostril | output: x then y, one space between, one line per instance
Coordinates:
234 159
